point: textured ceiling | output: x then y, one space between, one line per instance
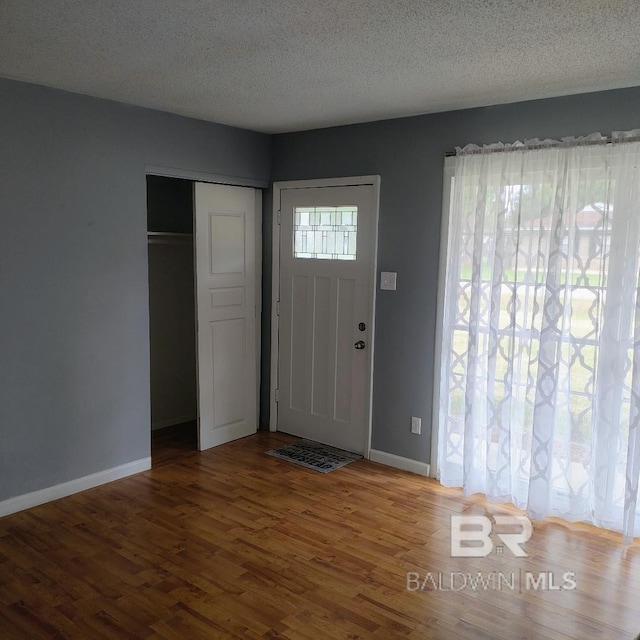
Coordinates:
286 65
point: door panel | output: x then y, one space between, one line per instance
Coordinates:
226 312
327 253
320 391
229 375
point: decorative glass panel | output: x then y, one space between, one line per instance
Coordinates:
325 233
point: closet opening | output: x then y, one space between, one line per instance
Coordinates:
172 321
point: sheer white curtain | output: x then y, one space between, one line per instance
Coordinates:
540 366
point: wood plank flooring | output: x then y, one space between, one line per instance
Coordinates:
232 543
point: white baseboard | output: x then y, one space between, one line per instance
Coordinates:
162 424
406 464
33 499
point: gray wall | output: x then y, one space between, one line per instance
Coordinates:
74 351
408 155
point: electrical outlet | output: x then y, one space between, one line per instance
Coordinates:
416 425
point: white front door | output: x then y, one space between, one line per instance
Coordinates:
225 233
327 261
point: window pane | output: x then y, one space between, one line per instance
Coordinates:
325 233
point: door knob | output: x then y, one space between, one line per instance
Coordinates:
360 344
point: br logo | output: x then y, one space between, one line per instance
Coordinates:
471 535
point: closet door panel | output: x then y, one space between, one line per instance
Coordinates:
225 230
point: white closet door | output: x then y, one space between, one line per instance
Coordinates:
225 236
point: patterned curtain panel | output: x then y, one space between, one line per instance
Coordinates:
540 378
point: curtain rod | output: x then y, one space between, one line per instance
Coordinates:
607 140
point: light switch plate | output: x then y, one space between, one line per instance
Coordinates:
388 280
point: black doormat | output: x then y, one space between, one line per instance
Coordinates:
313 455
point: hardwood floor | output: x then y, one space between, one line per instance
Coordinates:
174 444
232 543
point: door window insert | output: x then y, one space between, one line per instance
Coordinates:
325 233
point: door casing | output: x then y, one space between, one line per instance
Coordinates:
278 187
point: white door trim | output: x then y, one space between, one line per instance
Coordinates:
373 181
